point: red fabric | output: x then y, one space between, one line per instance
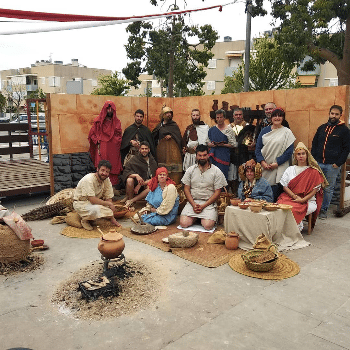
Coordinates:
105 138
59 17
302 185
153 183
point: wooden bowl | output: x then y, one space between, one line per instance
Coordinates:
271 207
255 208
243 205
120 214
235 201
285 206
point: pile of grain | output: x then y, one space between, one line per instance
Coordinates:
140 288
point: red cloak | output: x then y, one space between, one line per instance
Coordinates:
105 138
302 185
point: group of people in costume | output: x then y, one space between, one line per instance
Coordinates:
213 158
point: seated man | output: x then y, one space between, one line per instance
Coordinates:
138 171
93 196
202 187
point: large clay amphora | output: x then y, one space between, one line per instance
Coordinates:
111 244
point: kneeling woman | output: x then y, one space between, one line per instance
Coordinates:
253 186
302 184
162 200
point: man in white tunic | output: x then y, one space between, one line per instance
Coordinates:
93 196
202 187
194 135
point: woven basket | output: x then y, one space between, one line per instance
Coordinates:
12 249
64 194
260 266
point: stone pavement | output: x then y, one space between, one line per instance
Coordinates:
200 308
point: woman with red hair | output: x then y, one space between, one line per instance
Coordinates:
162 200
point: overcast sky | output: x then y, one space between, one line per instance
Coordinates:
103 47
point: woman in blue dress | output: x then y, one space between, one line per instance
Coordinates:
162 200
253 186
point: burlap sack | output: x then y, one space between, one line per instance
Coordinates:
261 242
58 220
218 237
12 249
74 219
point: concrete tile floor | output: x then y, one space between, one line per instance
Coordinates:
200 308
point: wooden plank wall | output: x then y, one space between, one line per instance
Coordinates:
71 116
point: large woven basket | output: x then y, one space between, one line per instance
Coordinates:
12 249
264 266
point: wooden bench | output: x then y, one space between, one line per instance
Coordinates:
21 174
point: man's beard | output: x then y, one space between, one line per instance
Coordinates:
109 114
196 121
333 120
145 156
202 162
101 177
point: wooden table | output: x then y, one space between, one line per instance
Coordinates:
278 226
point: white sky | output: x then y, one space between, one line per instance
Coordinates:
103 47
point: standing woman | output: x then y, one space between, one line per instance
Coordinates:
273 150
222 139
302 185
162 200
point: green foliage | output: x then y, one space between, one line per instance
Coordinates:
317 28
38 93
267 70
149 50
2 102
111 85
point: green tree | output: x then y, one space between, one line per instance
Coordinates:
267 70
318 28
2 103
167 54
112 85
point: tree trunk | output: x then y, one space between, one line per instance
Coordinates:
344 67
171 63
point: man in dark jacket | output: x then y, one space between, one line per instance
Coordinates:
133 136
138 171
330 147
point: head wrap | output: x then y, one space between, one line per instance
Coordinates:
153 183
250 164
311 162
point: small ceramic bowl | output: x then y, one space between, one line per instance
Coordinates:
243 205
235 201
271 207
285 206
255 208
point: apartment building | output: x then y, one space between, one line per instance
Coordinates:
51 77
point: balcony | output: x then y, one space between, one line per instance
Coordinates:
31 87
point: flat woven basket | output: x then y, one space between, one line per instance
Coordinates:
267 259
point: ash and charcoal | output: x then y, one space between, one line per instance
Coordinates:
31 263
140 285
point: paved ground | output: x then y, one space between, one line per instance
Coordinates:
200 308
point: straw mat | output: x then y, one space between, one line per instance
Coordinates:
284 268
208 255
75 232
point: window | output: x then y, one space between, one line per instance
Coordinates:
54 81
333 82
211 85
42 81
93 82
212 63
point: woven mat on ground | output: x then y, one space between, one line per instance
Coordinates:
74 232
208 255
284 268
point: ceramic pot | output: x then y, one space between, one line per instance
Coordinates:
111 245
231 241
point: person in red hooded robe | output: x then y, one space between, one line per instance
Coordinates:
105 138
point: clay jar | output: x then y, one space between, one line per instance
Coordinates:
111 244
231 241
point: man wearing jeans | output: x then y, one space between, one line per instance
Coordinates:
330 147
